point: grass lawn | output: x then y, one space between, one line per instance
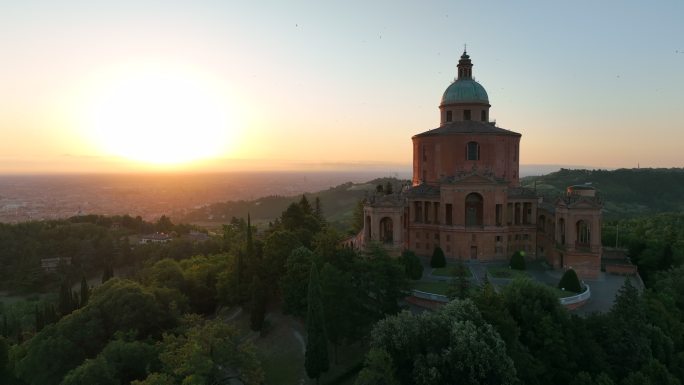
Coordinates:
447 271
436 287
506 272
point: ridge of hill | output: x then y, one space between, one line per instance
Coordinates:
337 202
626 193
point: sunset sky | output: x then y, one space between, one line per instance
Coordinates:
118 86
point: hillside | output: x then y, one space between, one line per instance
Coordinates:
626 192
337 202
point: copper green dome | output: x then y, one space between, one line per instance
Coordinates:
465 91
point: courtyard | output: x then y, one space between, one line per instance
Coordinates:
603 289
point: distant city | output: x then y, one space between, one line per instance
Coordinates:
44 197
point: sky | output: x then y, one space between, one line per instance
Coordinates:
98 86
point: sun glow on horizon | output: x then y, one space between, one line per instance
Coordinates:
161 116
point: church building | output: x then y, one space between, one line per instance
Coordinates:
465 195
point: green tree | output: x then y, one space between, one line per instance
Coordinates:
570 282
518 261
85 292
438 259
305 205
544 327
295 281
4 354
249 248
338 299
209 353
91 371
412 265
378 369
459 286
383 281
130 360
167 273
258 304
156 379
316 360
164 224
277 248
40 319
318 210
66 302
453 345
628 335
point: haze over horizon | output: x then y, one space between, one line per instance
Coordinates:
217 87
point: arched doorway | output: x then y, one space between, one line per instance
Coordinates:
473 208
386 230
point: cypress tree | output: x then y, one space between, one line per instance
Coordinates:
438 259
65 305
85 292
305 205
459 285
316 359
318 210
250 241
20 334
518 261
258 305
40 319
49 314
570 282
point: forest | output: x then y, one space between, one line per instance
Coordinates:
123 312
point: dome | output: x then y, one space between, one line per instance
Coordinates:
465 91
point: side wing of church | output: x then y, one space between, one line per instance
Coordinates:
465 196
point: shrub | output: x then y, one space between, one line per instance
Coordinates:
518 261
570 282
412 265
438 259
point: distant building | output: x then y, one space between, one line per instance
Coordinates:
50 265
155 238
465 196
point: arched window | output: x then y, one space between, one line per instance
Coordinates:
386 230
583 233
448 116
472 151
561 230
473 209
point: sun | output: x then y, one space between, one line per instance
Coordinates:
161 117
